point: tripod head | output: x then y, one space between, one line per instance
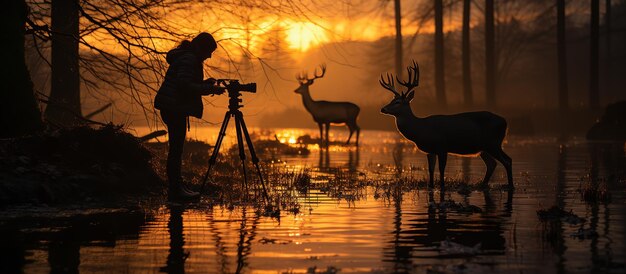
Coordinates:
233 86
234 89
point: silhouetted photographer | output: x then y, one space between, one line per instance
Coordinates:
179 97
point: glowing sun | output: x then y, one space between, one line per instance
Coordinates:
303 35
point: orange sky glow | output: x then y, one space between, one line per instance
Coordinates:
299 34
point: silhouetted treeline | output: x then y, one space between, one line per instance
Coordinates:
526 72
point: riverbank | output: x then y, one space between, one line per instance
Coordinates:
77 165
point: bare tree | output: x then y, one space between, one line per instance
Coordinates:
398 45
466 55
18 109
64 103
594 56
439 57
123 42
490 61
118 52
562 57
516 25
607 25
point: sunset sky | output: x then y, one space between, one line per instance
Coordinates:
318 23
343 34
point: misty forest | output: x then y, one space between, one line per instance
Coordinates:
299 136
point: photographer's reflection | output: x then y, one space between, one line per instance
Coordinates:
177 256
352 165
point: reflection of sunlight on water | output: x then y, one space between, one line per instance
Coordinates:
288 136
284 135
377 233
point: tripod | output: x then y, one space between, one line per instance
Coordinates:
242 131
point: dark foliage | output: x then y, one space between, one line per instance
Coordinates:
84 147
612 125
70 165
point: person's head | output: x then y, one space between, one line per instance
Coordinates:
202 45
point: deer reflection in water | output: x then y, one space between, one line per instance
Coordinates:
324 161
608 160
419 238
416 238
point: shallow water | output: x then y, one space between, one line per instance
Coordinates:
367 234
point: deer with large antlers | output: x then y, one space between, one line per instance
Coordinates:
326 113
468 133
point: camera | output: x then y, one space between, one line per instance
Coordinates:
233 86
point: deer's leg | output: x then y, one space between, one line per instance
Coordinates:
353 127
432 159
443 159
491 165
327 130
351 131
358 132
507 162
321 134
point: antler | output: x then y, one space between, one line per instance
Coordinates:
389 85
323 67
304 77
414 77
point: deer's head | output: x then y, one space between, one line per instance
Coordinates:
400 102
305 81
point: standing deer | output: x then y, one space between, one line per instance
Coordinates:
467 133
325 113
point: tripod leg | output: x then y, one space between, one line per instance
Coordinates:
242 154
255 159
216 149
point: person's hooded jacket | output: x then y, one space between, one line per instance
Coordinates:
183 86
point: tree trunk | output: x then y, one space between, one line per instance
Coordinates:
19 113
609 57
398 38
439 62
64 103
594 56
490 60
562 57
467 73
607 18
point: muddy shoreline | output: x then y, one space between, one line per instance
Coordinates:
77 166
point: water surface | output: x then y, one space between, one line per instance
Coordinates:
363 233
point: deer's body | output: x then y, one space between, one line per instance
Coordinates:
326 113
468 133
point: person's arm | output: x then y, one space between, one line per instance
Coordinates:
185 76
213 87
